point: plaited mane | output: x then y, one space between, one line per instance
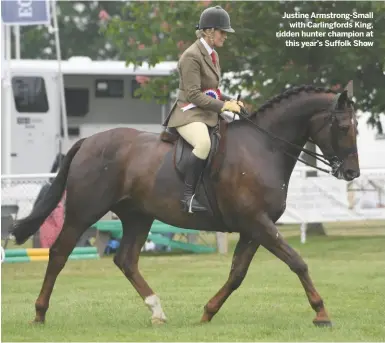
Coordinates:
289 92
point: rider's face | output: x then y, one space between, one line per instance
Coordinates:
219 38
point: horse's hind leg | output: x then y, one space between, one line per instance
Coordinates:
135 231
58 256
243 255
274 242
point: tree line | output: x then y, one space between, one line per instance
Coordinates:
258 54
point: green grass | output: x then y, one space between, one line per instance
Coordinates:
92 300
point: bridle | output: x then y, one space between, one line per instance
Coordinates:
339 154
335 160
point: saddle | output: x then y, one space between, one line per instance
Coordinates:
182 149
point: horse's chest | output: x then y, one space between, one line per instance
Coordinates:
274 196
275 201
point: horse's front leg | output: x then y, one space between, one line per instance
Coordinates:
243 255
272 240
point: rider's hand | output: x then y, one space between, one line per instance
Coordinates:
231 106
239 102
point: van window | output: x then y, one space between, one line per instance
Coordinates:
29 94
77 101
106 88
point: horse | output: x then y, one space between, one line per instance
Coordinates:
133 174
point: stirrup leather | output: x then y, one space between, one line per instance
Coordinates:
190 206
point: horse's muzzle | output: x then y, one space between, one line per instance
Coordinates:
350 174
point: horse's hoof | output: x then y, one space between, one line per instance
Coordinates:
158 321
205 319
322 323
36 322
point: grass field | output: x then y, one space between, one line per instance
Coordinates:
92 300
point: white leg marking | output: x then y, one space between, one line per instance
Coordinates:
153 303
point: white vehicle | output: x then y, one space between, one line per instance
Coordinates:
99 95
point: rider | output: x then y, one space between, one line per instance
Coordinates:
199 100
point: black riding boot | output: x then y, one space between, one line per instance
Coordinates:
193 172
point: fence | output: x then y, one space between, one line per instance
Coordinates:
327 199
309 200
21 191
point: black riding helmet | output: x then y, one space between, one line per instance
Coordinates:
215 17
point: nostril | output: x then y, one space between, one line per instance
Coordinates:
351 173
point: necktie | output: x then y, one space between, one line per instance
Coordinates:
213 58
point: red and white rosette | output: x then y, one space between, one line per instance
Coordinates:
214 93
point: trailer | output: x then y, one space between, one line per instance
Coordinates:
99 95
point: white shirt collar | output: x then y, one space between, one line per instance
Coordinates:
208 47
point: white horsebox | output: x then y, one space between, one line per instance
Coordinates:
98 95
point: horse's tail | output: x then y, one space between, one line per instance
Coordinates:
26 227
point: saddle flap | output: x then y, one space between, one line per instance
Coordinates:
183 150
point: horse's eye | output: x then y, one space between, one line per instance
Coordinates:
344 122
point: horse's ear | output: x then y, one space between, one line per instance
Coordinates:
342 100
349 89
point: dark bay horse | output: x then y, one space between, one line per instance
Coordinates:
120 170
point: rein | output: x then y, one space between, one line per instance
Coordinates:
335 164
